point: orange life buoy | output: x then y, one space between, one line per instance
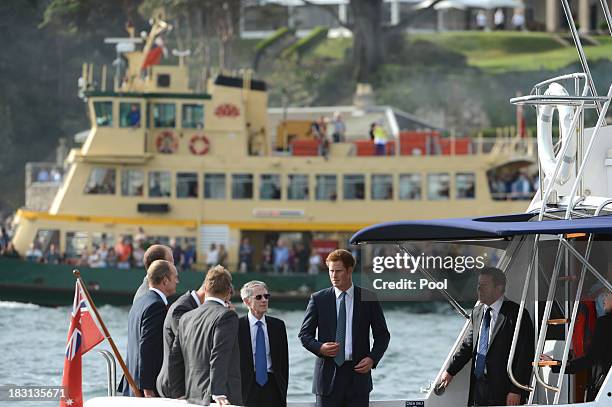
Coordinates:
166 142
199 144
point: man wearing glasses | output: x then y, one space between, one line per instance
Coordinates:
264 354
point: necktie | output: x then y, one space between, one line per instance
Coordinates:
341 330
483 345
261 362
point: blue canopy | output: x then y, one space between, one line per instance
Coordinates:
479 228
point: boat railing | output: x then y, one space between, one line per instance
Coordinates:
111 372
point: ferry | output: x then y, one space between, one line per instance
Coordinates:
214 173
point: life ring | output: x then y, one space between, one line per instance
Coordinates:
199 144
166 142
546 154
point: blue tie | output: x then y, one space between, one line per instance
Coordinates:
261 362
341 330
483 345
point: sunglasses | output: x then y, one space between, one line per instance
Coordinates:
258 297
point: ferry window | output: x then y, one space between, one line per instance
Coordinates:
438 186
129 114
326 188
269 186
214 186
165 240
160 183
104 113
193 116
103 240
164 115
101 182
382 186
465 184
242 186
43 241
132 183
354 186
186 185
297 190
76 244
410 186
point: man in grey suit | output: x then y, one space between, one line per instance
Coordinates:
155 252
185 303
206 356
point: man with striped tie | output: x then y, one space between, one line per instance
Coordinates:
264 353
487 343
341 320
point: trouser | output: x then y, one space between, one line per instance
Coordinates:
344 394
267 395
484 395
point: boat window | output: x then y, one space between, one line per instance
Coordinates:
242 186
269 186
382 186
297 190
164 115
193 116
160 183
214 186
101 182
465 183
186 185
438 186
43 241
104 114
132 182
76 244
165 240
410 186
354 186
326 188
129 114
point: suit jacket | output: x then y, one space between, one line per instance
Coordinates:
145 343
142 289
279 353
207 359
183 304
498 352
321 315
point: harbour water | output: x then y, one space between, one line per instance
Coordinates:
33 340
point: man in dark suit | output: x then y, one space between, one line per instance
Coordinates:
185 303
487 344
206 361
146 319
264 353
343 319
155 252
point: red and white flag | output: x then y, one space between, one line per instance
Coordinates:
83 335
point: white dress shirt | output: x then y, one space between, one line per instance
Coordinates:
252 324
215 299
348 336
196 298
495 308
162 295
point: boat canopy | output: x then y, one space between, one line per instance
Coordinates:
479 228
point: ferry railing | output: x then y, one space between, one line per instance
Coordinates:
111 369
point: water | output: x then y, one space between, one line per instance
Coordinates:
33 341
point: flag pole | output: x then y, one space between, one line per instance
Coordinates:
126 373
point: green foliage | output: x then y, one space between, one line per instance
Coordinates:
272 39
307 43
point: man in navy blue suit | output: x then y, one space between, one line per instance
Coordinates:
342 374
145 348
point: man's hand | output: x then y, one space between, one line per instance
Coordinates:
545 358
365 365
513 399
446 379
222 401
329 349
149 393
230 305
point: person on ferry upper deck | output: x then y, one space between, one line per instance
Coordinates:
342 374
264 353
487 346
145 347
